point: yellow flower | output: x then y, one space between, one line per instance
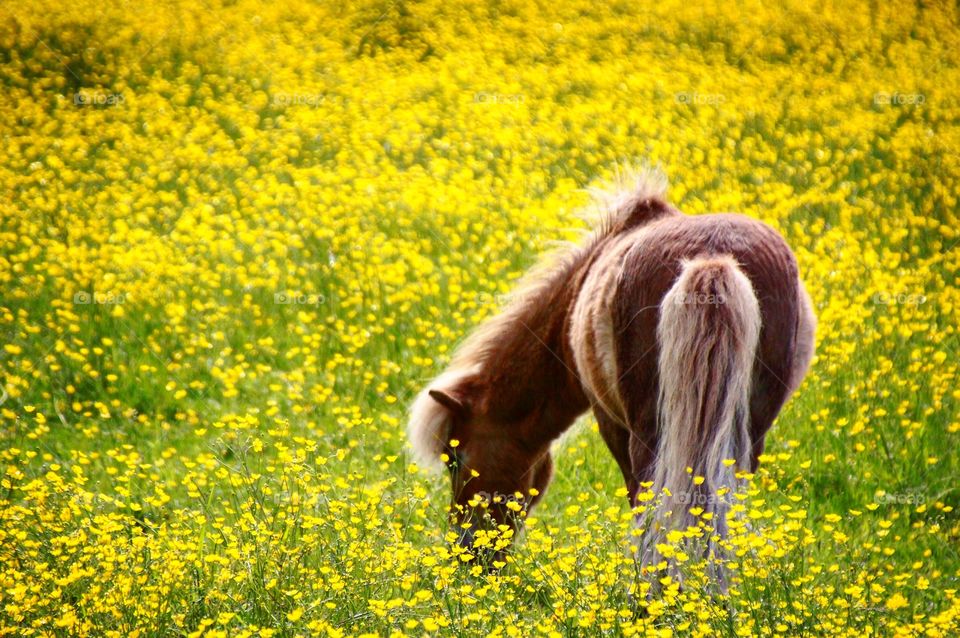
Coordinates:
896 601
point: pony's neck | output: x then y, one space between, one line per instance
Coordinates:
529 369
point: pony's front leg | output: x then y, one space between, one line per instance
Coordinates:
633 451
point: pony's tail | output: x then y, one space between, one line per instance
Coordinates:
708 331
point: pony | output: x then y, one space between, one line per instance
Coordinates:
685 335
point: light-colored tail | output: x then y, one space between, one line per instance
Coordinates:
708 331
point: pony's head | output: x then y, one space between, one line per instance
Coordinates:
498 466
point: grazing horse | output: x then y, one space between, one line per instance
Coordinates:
685 335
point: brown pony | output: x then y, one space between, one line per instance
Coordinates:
684 334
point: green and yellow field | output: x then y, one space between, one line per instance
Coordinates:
237 237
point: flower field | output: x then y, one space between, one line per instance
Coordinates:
237 237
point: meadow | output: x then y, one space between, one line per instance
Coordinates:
236 238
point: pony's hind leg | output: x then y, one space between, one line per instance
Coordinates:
777 373
768 396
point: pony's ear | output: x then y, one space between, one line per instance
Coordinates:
432 417
455 404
